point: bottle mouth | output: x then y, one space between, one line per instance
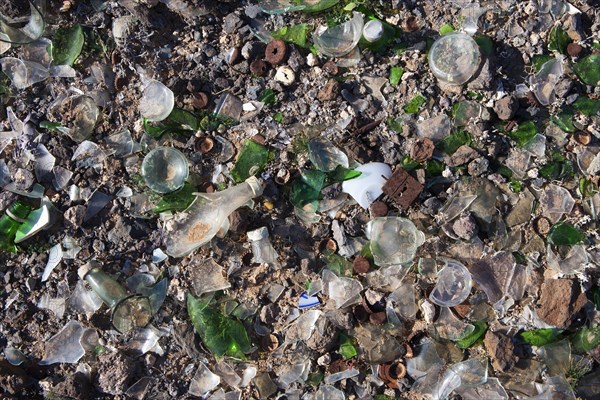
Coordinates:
256 185
131 312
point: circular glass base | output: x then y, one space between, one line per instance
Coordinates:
454 58
165 169
131 313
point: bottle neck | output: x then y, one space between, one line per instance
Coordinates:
109 290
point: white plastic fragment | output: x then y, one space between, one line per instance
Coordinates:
366 188
65 346
54 259
307 301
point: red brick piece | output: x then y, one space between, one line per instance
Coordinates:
402 188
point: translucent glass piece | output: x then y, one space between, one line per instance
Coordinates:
61 179
568 260
38 52
451 328
325 156
143 340
65 346
83 300
56 305
394 240
307 301
88 154
158 256
165 169
303 327
366 188
121 143
471 14
556 201
207 276
403 300
24 28
280 6
228 374
23 73
426 358
454 58
54 258
157 101
229 106
327 392
15 356
490 390
453 285
343 291
455 206
4 46
96 203
204 381
44 162
338 376
200 222
262 249
545 81
339 40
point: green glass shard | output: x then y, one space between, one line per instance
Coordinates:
340 174
307 189
178 200
587 106
541 337
559 39
452 142
564 120
67 44
565 234
470 339
268 97
221 335
180 122
446 29
251 161
524 133
395 75
588 69
347 349
485 44
413 106
585 339
295 34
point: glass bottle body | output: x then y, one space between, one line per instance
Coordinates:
198 224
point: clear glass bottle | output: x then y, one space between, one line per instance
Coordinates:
201 221
10 222
129 311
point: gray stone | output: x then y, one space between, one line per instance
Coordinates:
478 166
465 227
485 79
74 216
463 155
506 107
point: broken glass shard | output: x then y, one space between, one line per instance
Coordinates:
142 341
121 143
262 249
44 162
54 258
343 291
65 346
394 240
339 40
207 276
204 381
15 356
451 328
307 301
229 107
157 101
23 73
544 82
303 327
453 285
88 154
454 58
25 28
56 305
79 115
367 187
83 300
96 203
61 178
325 156
568 260
556 201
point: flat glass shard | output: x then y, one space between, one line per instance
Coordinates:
44 163
65 346
394 240
204 381
545 81
451 328
54 258
88 154
23 74
325 156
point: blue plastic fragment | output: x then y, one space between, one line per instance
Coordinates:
307 301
